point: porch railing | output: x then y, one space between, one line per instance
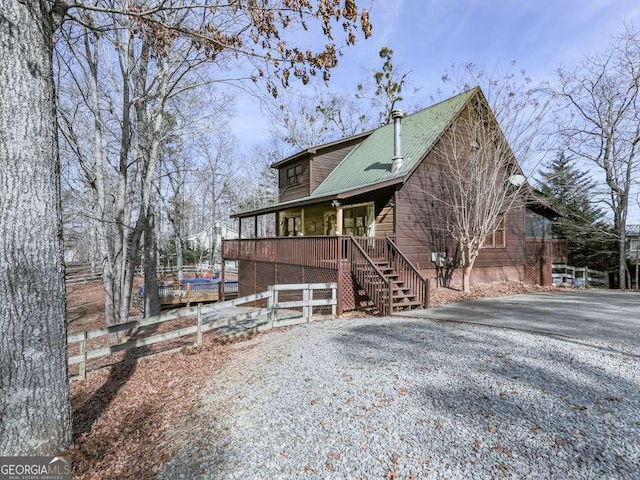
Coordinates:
323 252
408 274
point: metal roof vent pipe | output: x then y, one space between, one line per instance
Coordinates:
396 165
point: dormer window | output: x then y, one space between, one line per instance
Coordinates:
294 175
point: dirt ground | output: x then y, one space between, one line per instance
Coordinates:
122 415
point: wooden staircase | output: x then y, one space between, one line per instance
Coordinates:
386 276
402 297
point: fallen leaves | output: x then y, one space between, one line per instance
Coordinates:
442 296
123 416
500 449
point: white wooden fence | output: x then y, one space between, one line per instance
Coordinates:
583 277
200 312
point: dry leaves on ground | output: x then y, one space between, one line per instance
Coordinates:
123 416
442 296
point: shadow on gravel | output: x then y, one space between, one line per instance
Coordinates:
610 316
556 401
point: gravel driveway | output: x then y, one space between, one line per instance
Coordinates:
370 398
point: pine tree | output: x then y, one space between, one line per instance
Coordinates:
589 238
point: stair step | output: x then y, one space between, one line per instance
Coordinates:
404 295
397 306
400 289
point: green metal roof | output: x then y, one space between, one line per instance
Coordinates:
370 162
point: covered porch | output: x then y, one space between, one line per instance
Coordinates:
370 214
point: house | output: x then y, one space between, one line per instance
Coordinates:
212 238
359 212
633 235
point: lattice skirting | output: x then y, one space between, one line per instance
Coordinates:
254 277
538 274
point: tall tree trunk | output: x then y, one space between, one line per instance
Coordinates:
34 397
179 262
466 271
622 251
151 297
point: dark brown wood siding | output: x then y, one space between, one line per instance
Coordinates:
323 163
300 190
421 222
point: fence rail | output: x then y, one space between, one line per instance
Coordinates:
308 303
582 277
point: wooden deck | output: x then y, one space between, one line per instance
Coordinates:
192 293
389 280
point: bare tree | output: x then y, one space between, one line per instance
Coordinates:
35 416
304 121
479 181
599 119
520 106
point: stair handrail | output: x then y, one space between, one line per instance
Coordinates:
385 304
424 283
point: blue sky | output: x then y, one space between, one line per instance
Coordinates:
428 36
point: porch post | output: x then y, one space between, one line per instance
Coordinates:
239 227
255 226
339 221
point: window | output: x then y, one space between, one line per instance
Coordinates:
294 175
292 226
497 239
358 220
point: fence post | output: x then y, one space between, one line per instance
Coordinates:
82 367
199 326
334 299
271 304
222 283
306 307
586 277
188 294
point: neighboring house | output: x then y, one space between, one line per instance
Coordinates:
212 238
633 235
347 214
